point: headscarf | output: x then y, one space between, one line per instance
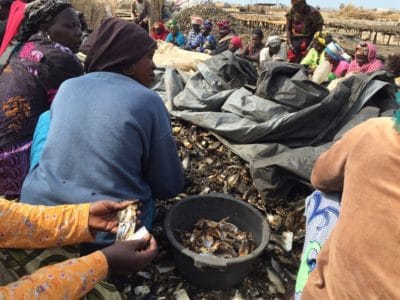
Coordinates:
196 20
334 51
274 41
15 18
236 41
112 49
40 12
323 37
172 24
207 25
158 36
373 63
223 25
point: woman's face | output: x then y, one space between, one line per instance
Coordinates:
157 29
256 40
66 29
361 54
232 47
144 69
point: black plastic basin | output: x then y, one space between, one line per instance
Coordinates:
212 272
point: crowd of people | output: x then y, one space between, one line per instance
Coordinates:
60 116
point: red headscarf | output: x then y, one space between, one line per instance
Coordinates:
158 36
236 41
17 11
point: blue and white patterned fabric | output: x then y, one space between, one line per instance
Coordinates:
192 41
322 213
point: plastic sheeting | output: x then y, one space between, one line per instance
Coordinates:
285 125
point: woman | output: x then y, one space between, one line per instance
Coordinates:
158 31
120 136
335 55
43 59
207 41
225 34
364 242
251 52
365 60
26 226
316 55
274 50
175 36
235 45
194 35
302 22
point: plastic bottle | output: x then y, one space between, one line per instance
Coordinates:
321 72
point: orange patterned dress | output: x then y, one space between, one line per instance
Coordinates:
27 226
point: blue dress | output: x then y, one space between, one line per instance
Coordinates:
109 138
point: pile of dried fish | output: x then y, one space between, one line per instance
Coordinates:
221 239
211 167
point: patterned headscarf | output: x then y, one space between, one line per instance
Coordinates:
172 24
196 20
223 25
334 51
40 12
323 37
373 63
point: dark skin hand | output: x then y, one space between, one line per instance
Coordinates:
130 256
103 215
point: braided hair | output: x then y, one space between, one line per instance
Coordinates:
38 13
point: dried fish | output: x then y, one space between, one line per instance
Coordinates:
287 240
205 177
222 239
127 222
181 295
276 281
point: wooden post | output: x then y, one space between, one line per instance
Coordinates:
388 42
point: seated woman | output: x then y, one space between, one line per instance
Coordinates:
27 226
120 137
274 50
175 36
158 31
251 51
335 55
44 58
194 35
235 45
225 33
365 60
207 41
362 243
317 54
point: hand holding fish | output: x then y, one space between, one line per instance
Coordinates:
103 215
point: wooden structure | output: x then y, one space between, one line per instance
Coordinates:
374 31
262 21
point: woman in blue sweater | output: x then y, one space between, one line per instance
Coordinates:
110 135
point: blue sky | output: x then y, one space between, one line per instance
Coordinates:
394 4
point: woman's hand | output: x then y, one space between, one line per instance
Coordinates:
103 215
130 256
